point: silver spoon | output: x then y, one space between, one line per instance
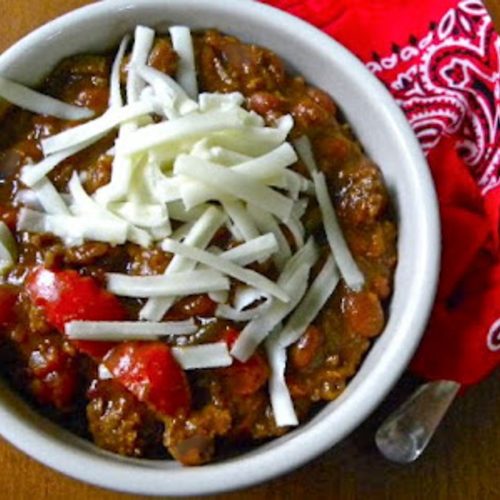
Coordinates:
405 434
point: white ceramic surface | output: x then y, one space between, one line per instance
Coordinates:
383 131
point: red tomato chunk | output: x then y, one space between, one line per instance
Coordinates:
67 296
150 372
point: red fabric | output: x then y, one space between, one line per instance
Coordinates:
440 60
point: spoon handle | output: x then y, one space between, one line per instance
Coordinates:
405 434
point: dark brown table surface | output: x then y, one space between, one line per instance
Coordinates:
462 462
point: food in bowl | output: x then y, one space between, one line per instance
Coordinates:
196 251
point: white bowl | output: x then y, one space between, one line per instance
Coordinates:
386 136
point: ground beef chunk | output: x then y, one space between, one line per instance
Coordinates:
360 194
46 365
118 422
226 65
99 173
191 440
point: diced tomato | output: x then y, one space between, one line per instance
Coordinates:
8 297
67 296
245 378
151 373
230 336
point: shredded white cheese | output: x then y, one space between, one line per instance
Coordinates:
74 230
227 267
213 355
241 218
296 229
180 284
150 184
41 104
347 265
307 255
260 248
234 184
202 149
200 235
252 141
115 93
296 184
269 165
121 172
224 156
83 204
127 330
293 279
220 297
285 124
257 330
143 43
28 198
235 232
300 207
217 100
142 215
161 232
194 193
177 211
94 129
189 127
82 201
50 200
8 248
31 174
281 400
245 296
170 95
186 69
319 292
182 231
304 150
267 223
228 312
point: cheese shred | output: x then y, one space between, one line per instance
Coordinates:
42 104
127 330
8 248
213 355
347 265
227 267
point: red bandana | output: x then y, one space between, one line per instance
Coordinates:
441 62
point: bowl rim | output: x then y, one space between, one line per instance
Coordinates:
108 472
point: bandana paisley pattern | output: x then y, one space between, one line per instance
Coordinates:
448 83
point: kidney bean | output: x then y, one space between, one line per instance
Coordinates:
263 102
363 313
307 348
